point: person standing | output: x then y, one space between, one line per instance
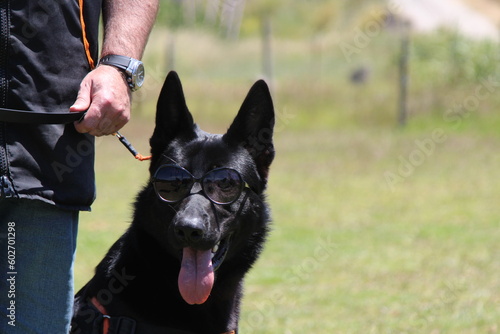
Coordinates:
49 62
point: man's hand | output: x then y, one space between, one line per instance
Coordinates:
105 95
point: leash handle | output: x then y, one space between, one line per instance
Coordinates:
39 117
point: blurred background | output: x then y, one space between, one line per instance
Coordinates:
385 187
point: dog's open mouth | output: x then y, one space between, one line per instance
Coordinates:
196 277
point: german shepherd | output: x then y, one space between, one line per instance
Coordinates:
198 227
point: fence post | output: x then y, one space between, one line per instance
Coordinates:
403 74
267 58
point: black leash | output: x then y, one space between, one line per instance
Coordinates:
23 116
35 117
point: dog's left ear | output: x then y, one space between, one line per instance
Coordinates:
253 127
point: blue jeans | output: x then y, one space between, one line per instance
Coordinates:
37 248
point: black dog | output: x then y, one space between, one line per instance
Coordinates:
198 226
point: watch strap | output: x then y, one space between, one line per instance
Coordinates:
132 68
116 60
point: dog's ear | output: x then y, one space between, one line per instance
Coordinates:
173 119
253 127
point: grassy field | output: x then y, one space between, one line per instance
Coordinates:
376 229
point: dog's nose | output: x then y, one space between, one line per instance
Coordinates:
189 231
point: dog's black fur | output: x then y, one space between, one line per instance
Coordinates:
138 278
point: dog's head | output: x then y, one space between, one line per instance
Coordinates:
208 189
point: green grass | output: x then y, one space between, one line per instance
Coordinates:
350 255
353 249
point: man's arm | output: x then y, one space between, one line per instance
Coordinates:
104 92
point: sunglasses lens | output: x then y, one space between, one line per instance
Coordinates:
172 183
223 185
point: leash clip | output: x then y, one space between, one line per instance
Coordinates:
130 148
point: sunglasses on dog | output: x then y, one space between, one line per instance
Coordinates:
173 183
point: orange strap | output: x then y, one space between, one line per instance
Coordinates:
105 324
86 43
100 308
141 157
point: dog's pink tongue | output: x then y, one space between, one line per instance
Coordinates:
196 277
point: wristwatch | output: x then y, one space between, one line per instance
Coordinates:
133 69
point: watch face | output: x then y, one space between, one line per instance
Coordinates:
139 76
136 78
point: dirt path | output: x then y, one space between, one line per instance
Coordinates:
428 15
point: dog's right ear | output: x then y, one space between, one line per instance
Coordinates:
253 127
173 119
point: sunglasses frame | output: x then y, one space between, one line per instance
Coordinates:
194 180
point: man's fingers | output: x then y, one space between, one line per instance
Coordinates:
105 96
100 125
88 123
82 101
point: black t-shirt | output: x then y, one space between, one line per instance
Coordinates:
43 60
